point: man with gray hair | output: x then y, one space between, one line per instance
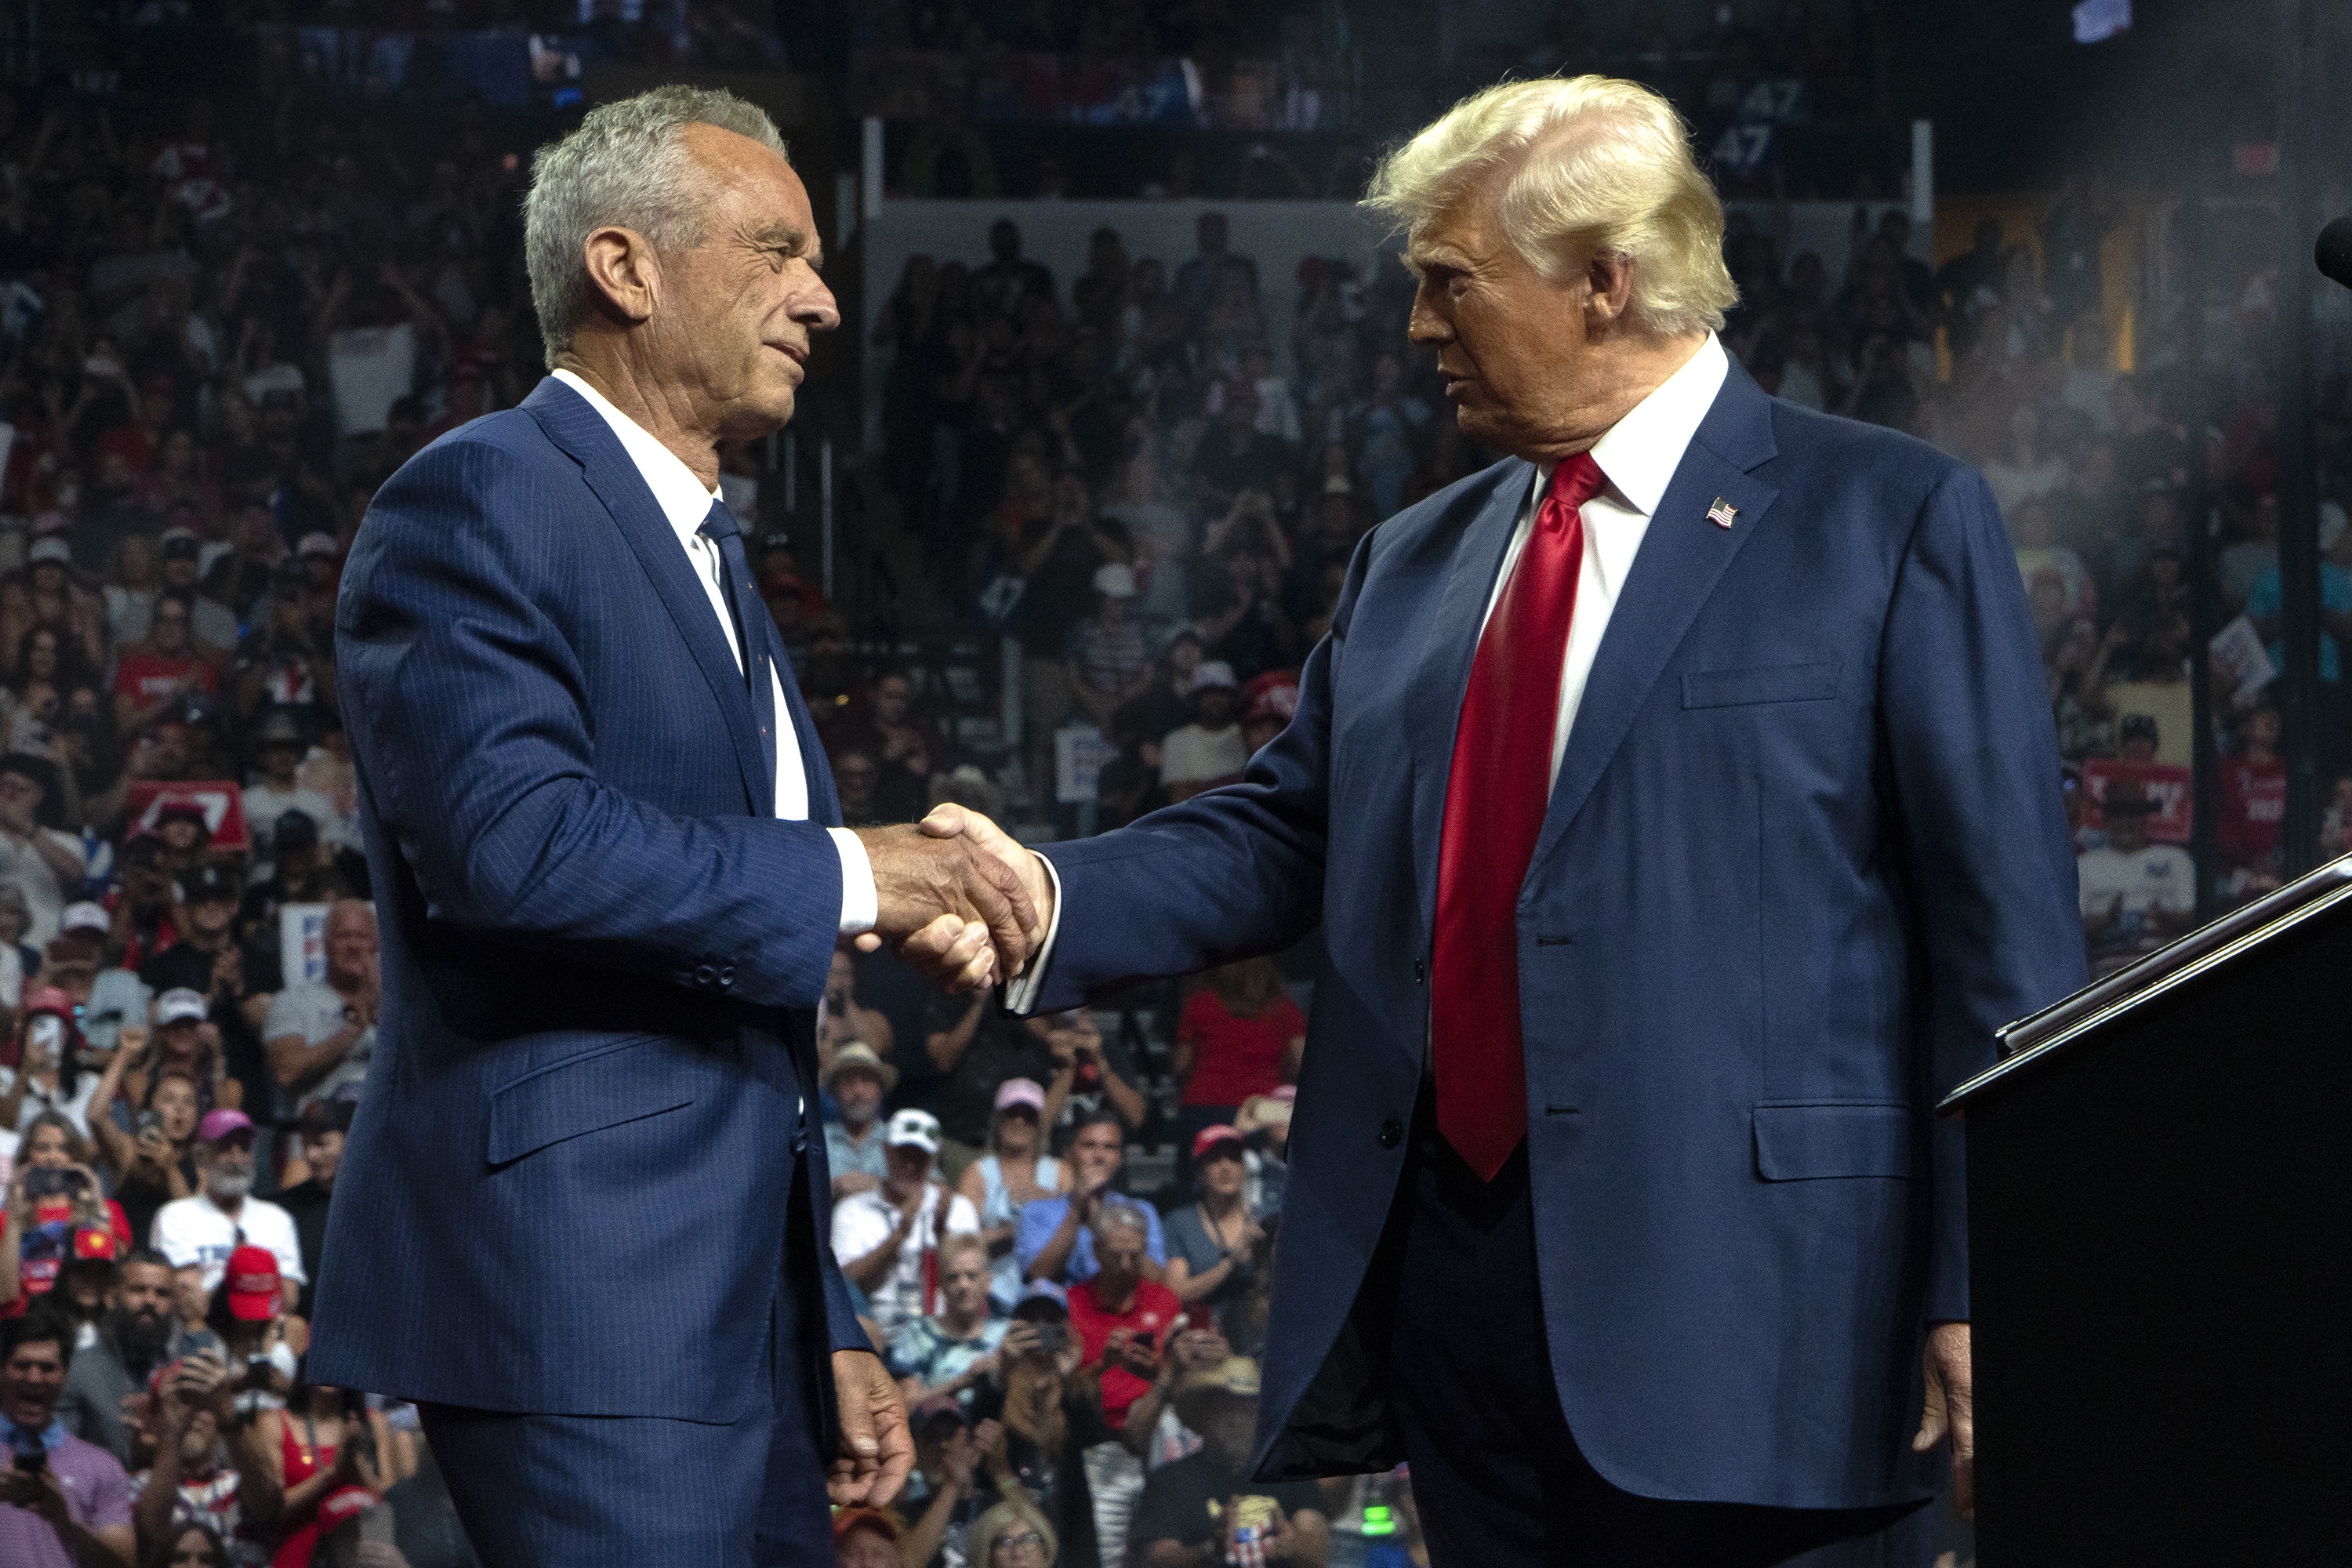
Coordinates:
1678 801
585 1183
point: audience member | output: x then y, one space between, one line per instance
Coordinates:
1239 1034
202 1231
1213 1244
2136 895
139 1334
321 1032
63 1502
948 1355
1121 1320
1055 1240
1091 1076
865 1538
57 1211
888 1237
855 1148
1208 751
210 1468
1051 1418
1208 1507
322 1128
1005 1179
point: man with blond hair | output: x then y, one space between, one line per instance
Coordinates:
1678 799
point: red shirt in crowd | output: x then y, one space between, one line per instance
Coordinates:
1154 1311
1234 1058
2253 805
147 678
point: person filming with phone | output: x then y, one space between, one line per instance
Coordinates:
210 1467
64 1503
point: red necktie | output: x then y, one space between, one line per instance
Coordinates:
1495 804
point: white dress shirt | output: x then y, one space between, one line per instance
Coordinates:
1638 457
686 504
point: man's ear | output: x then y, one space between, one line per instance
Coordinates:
623 271
1611 301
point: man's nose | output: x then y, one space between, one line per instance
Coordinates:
817 308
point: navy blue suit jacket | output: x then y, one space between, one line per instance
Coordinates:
568 1187
1804 855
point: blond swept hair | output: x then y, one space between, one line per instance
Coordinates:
1599 167
956 1243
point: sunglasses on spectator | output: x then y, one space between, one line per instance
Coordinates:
1027 1538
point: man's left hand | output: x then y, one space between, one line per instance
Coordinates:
878 1449
1951 1411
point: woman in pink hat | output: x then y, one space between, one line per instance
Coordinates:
1014 1170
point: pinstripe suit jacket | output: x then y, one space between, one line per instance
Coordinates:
572 1183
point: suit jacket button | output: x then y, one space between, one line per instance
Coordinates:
703 975
1391 1133
726 975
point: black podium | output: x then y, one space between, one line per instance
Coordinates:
2160 1234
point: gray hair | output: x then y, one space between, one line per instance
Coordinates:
1120 1214
627 167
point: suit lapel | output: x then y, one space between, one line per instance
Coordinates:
1442 673
581 432
1683 555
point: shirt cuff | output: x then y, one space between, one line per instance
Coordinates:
1021 994
861 906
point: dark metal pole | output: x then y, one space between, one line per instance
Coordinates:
2197 537
2298 493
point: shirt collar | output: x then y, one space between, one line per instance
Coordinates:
1641 452
52 1435
683 501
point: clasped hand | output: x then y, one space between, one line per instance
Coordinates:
957 898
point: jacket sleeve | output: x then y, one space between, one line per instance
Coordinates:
469 719
1230 873
1988 862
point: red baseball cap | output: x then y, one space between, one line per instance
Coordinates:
254 1285
50 999
1208 1138
873 1519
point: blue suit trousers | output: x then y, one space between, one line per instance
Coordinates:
619 1492
1499 1475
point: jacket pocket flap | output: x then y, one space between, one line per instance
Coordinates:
598 1089
1767 683
1800 1143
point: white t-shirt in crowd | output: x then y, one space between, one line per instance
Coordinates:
74 1106
21 863
2153 877
1193 754
264 805
193 1231
864 1221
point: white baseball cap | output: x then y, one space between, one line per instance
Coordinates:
1217 672
913 1129
178 1005
85 917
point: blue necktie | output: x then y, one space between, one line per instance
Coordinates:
735 587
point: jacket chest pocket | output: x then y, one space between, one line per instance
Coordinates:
1813 682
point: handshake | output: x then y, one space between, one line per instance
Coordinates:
957 898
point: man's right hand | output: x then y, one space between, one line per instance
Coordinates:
952 822
948 905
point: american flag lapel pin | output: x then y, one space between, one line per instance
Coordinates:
1722 513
